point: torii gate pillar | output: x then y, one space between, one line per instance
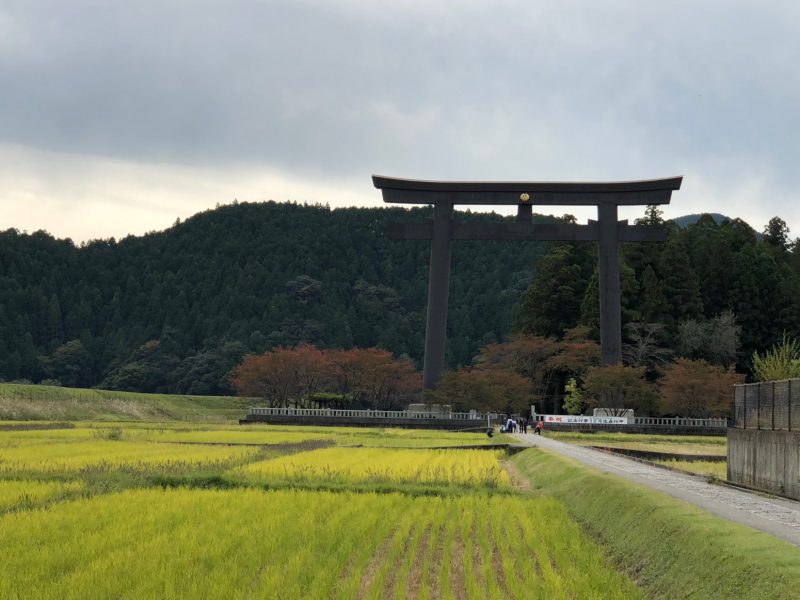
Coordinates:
609 284
438 296
607 231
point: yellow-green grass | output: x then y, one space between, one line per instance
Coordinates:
42 436
280 434
673 549
56 457
463 467
674 444
716 469
292 544
20 424
352 437
39 402
24 493
668 448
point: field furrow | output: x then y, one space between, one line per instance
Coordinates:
290 544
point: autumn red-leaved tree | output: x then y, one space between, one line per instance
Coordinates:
619 388
545 362
372 377
694 388
488 390
363 377
272 376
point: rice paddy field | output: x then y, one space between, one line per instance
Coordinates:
466 467
154 510
680 451
193 510
716 470
672 444
292 544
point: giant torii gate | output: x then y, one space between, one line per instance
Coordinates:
607 231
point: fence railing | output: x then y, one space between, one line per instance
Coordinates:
661 421
368 414
773 405
465 416
681 422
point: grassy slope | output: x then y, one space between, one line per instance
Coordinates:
19 401
672 549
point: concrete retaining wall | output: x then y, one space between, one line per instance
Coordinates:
767 460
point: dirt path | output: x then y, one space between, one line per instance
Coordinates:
775 516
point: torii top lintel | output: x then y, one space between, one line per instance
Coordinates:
542 193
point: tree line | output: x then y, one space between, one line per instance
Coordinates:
718 302
176 310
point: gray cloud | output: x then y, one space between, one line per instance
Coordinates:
472 90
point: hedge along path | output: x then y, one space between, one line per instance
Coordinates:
295 544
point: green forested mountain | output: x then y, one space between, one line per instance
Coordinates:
707 273
175 310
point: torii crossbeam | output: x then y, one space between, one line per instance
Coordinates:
607 231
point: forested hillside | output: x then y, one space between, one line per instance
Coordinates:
695 310
174 311
714 284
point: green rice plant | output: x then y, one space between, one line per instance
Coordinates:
470 467
288 544
15 494
606 438
71 457
42 436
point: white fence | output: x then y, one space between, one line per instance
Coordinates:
476 416
366 414
662 421
681 422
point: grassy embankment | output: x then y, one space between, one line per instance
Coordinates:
670 548
40 402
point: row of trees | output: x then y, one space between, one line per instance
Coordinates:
306 376
556 375
565 376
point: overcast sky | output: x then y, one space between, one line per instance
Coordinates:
118 117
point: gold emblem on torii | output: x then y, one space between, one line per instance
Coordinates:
524 196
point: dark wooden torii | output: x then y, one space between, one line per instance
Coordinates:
607 231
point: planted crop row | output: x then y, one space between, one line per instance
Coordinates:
22 493
291 544
384 464
72 456
249 435
340 436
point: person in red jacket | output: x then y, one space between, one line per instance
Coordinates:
539 427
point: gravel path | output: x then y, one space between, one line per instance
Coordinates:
775 516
